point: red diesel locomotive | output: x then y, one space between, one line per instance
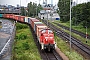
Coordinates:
47 39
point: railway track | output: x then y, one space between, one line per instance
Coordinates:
52 55
74 31
45 55
84 50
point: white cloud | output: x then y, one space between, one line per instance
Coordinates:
80 1
25 2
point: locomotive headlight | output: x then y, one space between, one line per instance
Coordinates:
46 37
51 37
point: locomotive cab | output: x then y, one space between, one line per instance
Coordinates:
47 39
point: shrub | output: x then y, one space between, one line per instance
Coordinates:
26 45
21 26
21 36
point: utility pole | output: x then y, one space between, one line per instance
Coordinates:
86 34
70 27
47 18
39 1
51 14
36 8
25 9
86 31
20 8
47 13
40 13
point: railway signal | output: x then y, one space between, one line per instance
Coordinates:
86 34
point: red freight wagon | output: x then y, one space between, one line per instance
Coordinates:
4 15
8 16
32 22
17 17
39 28
38 25
35 23
22 18
11 16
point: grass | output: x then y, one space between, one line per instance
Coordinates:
78 28
31 53
83 40
64 47
24 47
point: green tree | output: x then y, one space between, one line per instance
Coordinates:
64 9
23 11
81 13
30 9
33 8
39 7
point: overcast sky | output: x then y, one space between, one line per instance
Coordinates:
81 1
24 2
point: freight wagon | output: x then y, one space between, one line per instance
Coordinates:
1 15
32 22
44 34
27 19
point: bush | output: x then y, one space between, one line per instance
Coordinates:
26 45
21 36
21 26
16 37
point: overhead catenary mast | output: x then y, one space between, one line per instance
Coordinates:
39 1
70 26
46 1
52 2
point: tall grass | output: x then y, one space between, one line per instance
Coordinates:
24 47
83 40
77 27
64 47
